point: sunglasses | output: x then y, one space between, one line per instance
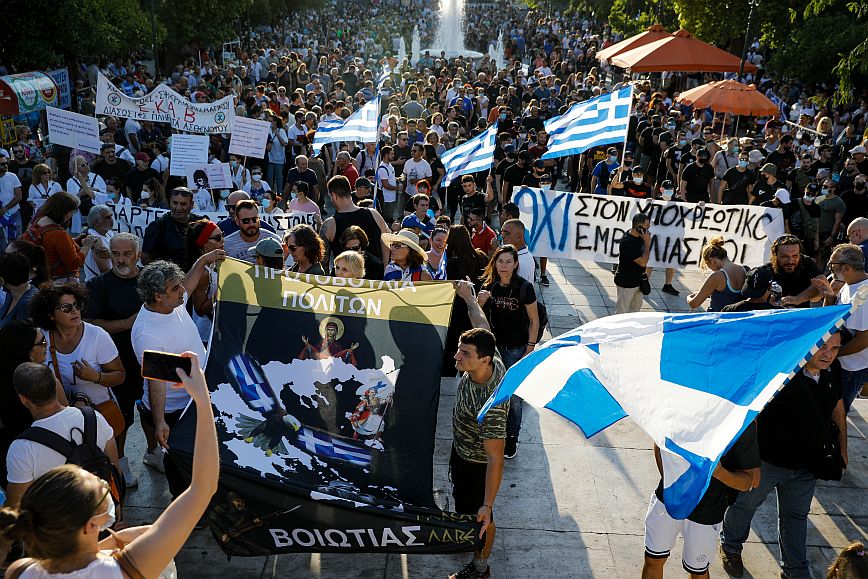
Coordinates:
396 246
67 308
246 220
41 342
292 248
353 248
218 237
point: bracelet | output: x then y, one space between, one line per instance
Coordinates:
98 380
531 343
489 507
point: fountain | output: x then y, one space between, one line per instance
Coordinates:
450 32
415 46
402 51
500 51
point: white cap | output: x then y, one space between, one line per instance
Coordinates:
782 195
857 149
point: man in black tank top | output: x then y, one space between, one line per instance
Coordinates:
348 213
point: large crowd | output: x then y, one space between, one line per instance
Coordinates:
81 302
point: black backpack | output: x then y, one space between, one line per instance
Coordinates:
541 311
87 455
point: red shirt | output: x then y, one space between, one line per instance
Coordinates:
482 240
351 173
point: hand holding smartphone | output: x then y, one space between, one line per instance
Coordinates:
164 366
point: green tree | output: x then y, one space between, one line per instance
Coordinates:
631 17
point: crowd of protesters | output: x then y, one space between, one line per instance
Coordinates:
87 301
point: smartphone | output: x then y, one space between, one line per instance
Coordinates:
164 366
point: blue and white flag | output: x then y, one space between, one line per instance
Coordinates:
693 382
782 106
381 80
440 274
472 156
327 445
599 121
361 126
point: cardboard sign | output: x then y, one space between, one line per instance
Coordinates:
73 130
189 152
249 137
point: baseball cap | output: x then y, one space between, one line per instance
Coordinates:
757 282
857 149
363 182
509 149
812 187
769 169
142 157
538 164
782 195
269 247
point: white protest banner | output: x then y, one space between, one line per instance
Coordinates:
249 137
60 77
73 130
589 227
209 176
164 105
135 219
187 151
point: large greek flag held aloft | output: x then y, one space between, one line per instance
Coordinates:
692 382
361 126
472 156
600 121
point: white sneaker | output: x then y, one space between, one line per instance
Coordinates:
129 475
154 459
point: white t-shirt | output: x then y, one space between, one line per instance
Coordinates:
38 194
96 348
28 460
416 170
132 127
175 333
160 164
91 269
203 200
73 186
386 172
277 153
8 183
525 264
857 322
103 567
124 153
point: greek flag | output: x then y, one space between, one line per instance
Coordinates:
472 156
693 382
782 106
440 274
381 80
361 127
600 121
325 445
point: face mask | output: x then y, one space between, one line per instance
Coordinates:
503 117
742 163
638 180
734 149
224 194
545 186
266 203
233 164
111 515
145 195
682 142
613 158
824 191
671 126
808 198
668 193
256 177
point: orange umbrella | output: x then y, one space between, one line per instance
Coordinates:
680 52
655 32
729 96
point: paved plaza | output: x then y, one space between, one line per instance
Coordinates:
568 507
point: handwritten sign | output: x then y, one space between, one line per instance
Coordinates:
135 219
209 176
189 152
164 105
249 137
589 227
73 130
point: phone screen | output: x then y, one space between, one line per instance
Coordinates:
163 366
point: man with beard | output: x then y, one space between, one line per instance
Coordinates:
242 244
794 271
165 237
113 303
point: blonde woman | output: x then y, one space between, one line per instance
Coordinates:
723 285
350 264
42 186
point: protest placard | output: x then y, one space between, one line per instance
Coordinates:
249 137
73 130
164 105
60 77
187 151
209 176
589 227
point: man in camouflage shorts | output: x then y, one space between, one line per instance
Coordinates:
476 464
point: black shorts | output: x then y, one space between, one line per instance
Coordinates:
171 418
468 484
126 395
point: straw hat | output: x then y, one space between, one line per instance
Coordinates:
408 238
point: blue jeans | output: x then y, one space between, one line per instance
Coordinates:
795 489
852 383
274 176
513 420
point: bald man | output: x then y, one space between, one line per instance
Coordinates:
857 231
228 225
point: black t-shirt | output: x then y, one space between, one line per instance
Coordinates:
165 239
748 306
737 183
795 283
134 179
857 206
507 313
782 159
744 455
629 272
364 218
764 191
514 175
790 434
116 170
433 204
470 202
116 298
696 180
640 191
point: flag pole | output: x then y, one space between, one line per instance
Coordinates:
626 136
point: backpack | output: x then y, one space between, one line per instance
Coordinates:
34 233
541 311
87 455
